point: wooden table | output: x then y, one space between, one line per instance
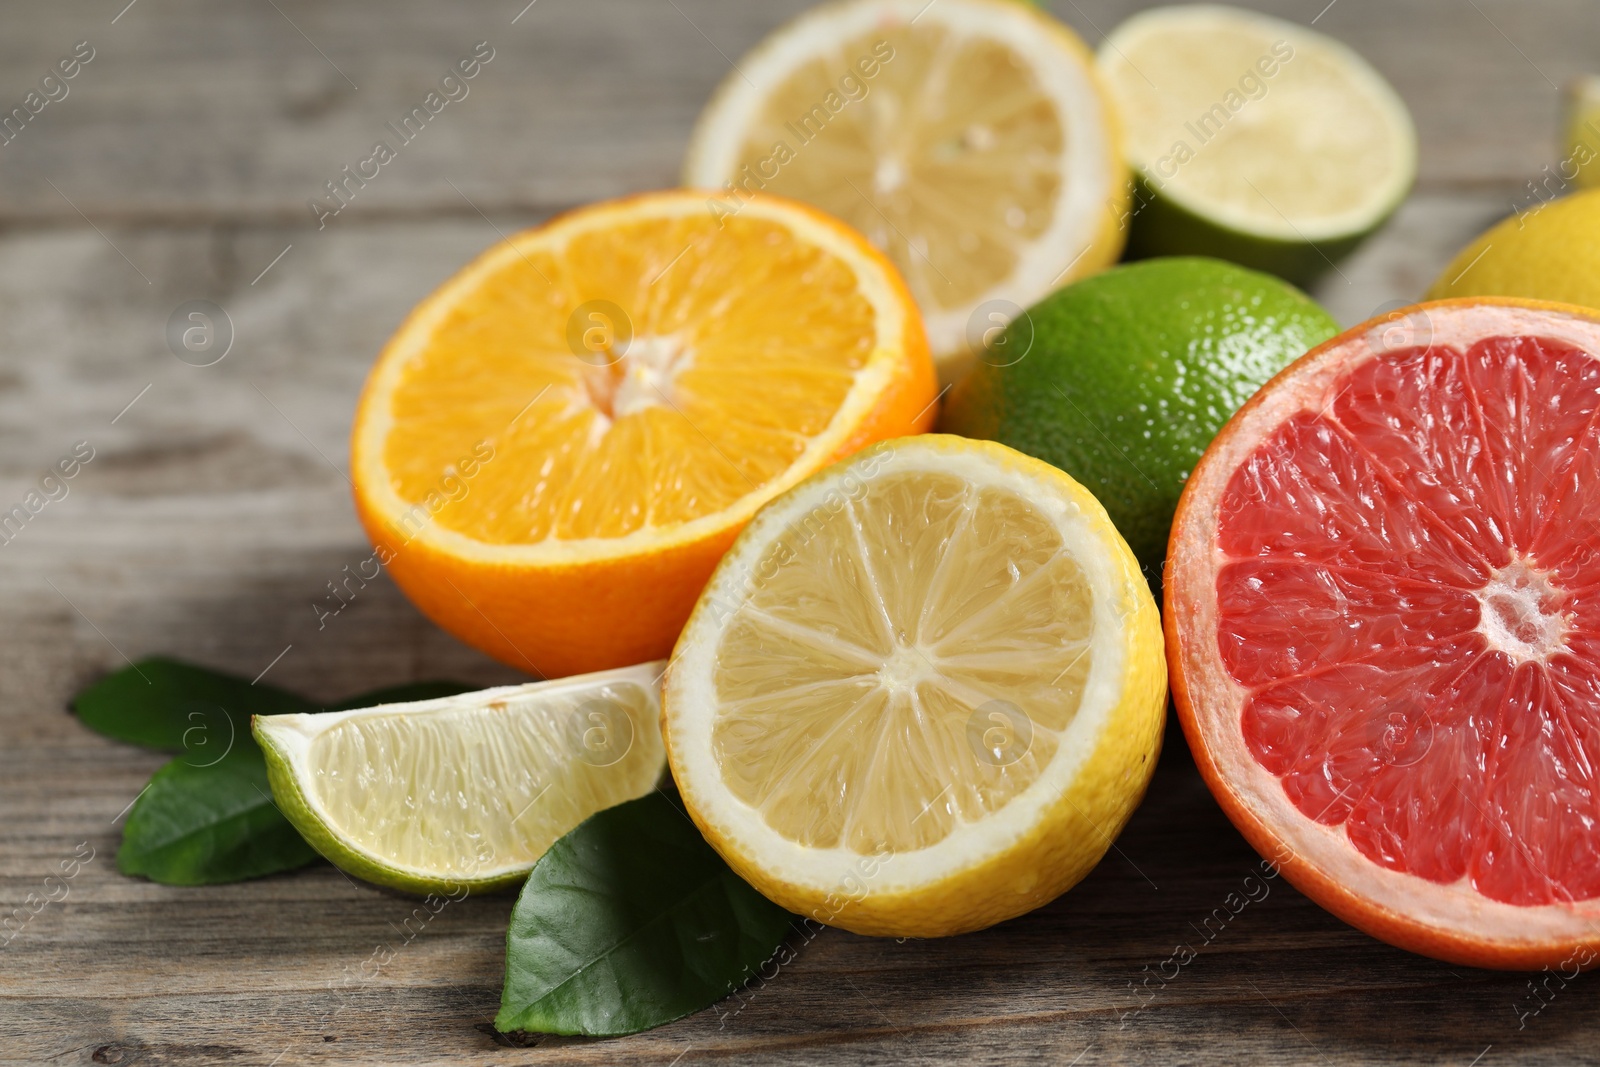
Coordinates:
216 508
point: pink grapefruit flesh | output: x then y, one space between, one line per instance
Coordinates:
1383 619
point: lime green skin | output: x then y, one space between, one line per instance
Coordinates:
1160 227
1130 375
297 809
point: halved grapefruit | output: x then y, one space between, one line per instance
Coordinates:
1383 627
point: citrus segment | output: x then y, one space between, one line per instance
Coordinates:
937 660
465 791
1382 614
604 401
968 139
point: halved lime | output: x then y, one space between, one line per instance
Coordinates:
1253 139
464 793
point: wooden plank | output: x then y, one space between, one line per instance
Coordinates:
191 114
216 508
244 972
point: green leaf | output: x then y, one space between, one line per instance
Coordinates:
208 816
161 703
404 694
199 825
628 922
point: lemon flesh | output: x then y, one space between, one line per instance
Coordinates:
922 692
464 792
968 139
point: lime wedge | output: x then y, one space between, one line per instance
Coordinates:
464 793
1253 139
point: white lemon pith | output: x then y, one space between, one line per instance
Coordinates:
465 791
922 692
968 139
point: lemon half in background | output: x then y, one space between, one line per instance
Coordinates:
970 140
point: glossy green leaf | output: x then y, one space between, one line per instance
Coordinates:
631 921
208 816
178 707
201 824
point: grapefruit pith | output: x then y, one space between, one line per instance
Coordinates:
1383 626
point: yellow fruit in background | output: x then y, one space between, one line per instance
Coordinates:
1545 251
1581 148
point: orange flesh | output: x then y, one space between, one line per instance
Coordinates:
734 346
1410 599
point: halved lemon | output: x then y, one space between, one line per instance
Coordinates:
557 446
464 793
969 139
923 691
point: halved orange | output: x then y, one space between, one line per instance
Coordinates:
1383 627
557 446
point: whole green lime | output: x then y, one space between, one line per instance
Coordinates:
1124 378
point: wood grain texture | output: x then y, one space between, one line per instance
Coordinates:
216 509
190 113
